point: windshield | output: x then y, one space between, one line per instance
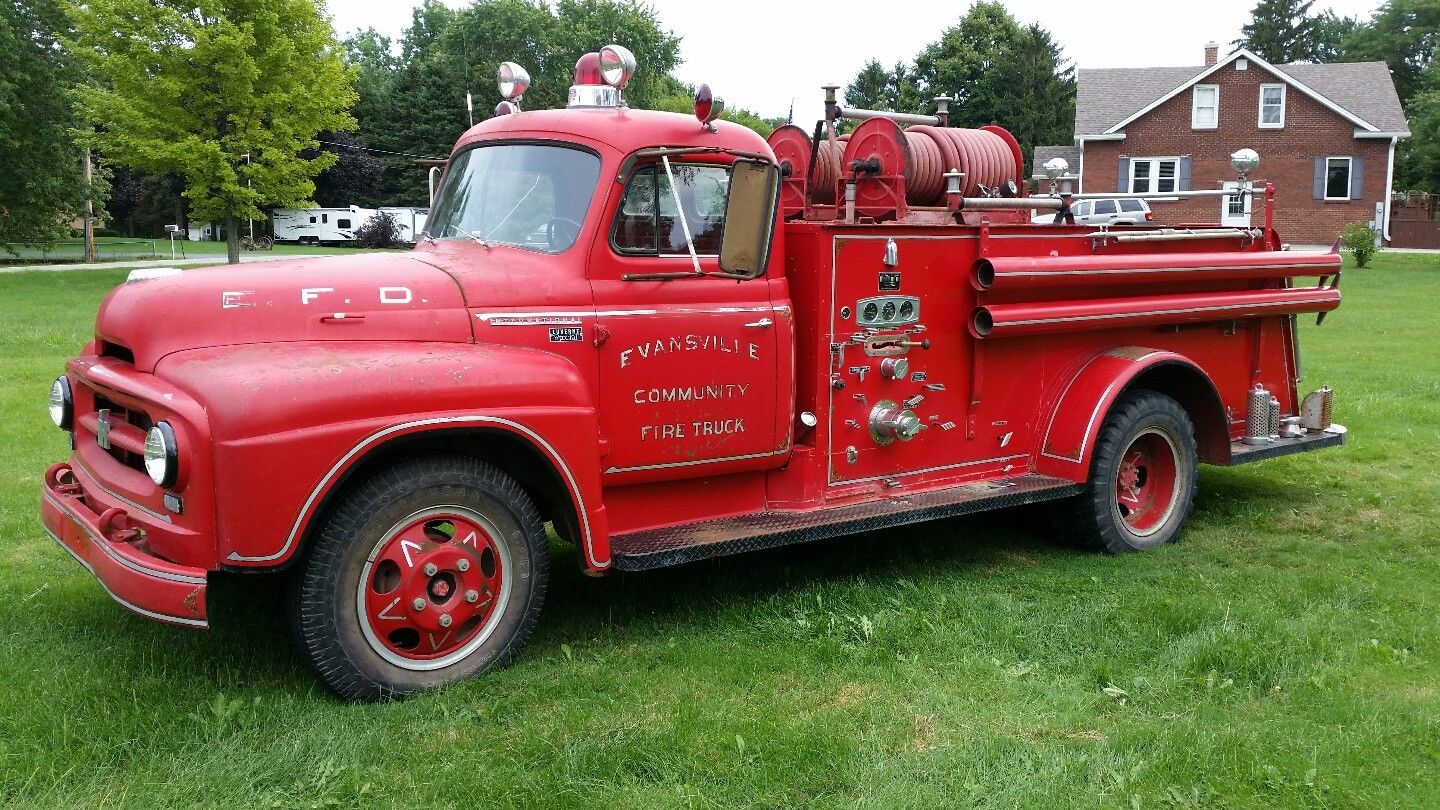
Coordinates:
526 195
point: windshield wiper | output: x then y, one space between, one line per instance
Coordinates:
478 238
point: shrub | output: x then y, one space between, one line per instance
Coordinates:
1359 239
380 231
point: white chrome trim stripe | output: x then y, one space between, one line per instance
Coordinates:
1187 310
1094 414
120 558
1320 270
149 614
374 437
996 460
672 464
609 313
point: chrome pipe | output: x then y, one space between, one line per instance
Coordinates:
1177 236
1011 202
1174 195
857 114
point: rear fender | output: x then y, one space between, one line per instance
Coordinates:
1068 442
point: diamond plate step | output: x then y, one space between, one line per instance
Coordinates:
656 548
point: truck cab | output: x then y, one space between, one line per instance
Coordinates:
665 338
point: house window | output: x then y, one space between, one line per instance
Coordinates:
1272 106
1337 178
1154 175
1205 106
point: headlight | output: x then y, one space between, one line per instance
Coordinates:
61 407
160 455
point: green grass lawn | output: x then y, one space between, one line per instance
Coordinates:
112 248
1284 653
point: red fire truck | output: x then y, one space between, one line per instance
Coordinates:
668 339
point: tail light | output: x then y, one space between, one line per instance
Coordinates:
1149 216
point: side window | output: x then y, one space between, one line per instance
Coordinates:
342 223
647 222
312 220
325 218
1081 209
1131 206
1104 206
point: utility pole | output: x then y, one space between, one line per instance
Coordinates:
89 210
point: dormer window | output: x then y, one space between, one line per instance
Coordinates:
1272 106
1205 107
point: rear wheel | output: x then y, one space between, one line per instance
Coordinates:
430 572
1142 477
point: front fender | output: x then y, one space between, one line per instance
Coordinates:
288 420
1068 441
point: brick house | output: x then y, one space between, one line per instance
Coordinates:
1326 135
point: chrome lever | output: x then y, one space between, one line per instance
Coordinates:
760 324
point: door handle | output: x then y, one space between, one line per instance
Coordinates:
760 324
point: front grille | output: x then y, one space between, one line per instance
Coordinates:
120 415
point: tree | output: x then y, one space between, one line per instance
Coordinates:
354 177
1331 32
1404 34
1417 167
872 89
997 72
195 87
1280 31
42 185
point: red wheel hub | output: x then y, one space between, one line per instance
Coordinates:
1146 485
431 585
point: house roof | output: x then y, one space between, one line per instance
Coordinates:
1362 91
1071 154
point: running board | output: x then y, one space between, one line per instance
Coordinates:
673 545
1241 453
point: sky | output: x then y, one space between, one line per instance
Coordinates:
763 55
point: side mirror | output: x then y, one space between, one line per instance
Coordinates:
749 217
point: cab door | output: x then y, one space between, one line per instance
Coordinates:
688 366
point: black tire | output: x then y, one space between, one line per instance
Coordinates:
330 609
1144 426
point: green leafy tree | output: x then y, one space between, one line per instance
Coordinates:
997 72
1417 166
194 87
871 89
42 185
1331 32
1280 31
1404 34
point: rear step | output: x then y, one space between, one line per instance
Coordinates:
656 548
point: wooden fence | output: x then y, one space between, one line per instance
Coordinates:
1413 222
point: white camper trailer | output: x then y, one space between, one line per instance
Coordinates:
410 220
203 232
318 226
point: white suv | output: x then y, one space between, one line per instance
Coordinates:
1113 211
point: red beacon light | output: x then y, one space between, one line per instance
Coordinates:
708 107
513 81
601 77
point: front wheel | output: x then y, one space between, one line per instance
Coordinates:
1142 477
428 573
